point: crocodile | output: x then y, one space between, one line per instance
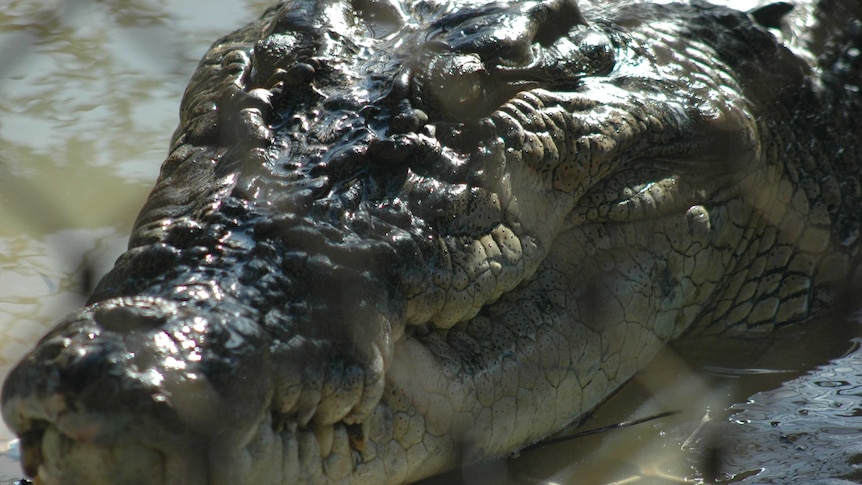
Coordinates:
393 237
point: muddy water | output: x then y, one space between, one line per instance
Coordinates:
88 99
89 93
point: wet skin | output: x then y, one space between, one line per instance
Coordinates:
391 238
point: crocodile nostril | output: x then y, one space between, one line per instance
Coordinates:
127 316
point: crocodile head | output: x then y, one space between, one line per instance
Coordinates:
389 237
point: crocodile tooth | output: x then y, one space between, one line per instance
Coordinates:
324 436
31 451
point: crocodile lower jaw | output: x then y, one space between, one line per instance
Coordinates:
61 460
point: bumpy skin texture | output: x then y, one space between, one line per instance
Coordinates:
390 237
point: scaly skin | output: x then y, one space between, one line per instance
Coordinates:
390 238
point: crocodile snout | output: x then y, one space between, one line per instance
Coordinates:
113 395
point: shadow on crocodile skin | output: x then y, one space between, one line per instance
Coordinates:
345 276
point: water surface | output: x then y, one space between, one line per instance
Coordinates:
89 95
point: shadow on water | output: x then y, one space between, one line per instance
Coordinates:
88 100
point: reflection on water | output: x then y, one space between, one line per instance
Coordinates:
89 93
809 427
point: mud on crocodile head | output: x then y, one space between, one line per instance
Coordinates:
390 236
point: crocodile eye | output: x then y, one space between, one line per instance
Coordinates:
597 52
463 78
452 86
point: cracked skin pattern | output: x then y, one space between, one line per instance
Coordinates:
391 237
